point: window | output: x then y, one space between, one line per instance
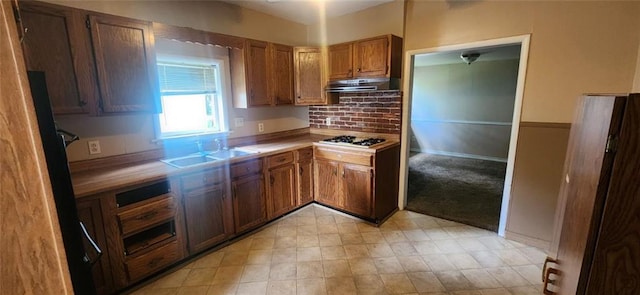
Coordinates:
191 98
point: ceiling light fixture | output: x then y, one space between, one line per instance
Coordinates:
469 57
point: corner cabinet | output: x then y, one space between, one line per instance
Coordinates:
367 58
90 214
125 62
304 176
262 74
363 182
281 192
93 63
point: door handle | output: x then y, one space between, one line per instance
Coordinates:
93 244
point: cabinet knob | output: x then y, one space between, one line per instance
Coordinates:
358 70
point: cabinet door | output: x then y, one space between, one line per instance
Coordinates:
357 189
257 73
125 62
309 81
205 215
340 61
588 170
305 182
57 43
282 190
326 180
248 202
282 74
371 57
90 214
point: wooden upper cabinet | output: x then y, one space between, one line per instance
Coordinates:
57 43
262 74
376 57
371 57
257 56
282 74
341 61
125 62
308 65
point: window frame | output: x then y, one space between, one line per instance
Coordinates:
223 90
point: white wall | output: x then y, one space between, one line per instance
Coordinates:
464 109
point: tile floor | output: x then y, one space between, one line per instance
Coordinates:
321 251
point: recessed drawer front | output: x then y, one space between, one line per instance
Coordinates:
246 168
201 179
146 215
152 261
360 158
305 154
279 159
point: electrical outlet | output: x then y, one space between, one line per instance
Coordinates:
94 147
260 127
328 121
239 122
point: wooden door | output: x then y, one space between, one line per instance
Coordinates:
282 74
90 214
125 62
615 266
205 214
305 182
309 77
57 43
257 73
371 57
282 190
585 184
341 61
326 180
248 202
357 189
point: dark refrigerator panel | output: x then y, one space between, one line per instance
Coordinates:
53 143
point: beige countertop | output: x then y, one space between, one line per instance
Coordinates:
119 177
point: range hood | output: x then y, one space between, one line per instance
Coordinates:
358 85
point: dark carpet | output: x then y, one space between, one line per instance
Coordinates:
464 190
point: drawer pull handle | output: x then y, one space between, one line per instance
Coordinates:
147 216
281 160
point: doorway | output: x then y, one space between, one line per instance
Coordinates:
460 127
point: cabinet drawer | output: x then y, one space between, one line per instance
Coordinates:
360 158
279 159
135 219
202 179
246 168
152 261
305 154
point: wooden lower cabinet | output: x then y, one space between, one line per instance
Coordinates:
304 181
360 182
327 182
357 189
282 190
208 217
249 206
90 214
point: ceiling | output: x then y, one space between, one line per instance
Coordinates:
453 57
307 11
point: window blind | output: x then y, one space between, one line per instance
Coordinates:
186 79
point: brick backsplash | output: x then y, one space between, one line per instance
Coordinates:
375 111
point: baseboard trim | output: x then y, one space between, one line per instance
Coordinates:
530 241
459 155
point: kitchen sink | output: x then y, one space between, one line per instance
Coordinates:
205 157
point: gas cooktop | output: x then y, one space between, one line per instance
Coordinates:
350 140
